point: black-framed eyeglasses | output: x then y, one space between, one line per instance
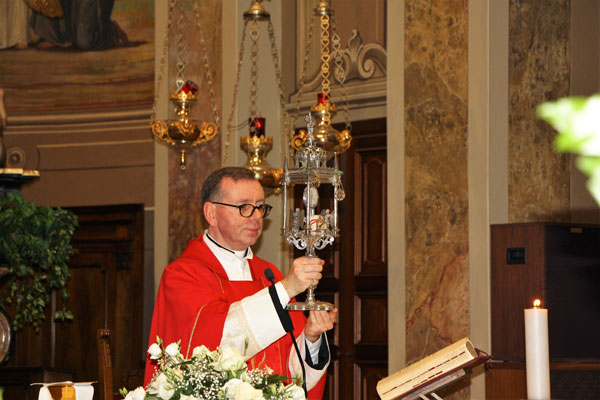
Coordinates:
247 210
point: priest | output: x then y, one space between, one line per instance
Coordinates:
216 292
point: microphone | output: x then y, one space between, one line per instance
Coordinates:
284 315
286 321
269 275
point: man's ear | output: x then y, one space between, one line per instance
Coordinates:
210 213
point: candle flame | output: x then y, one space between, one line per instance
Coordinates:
537 303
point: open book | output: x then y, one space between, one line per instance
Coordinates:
461 354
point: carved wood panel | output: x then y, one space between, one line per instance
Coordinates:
372 221
371 311
362 329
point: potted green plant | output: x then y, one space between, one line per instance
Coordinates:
35 245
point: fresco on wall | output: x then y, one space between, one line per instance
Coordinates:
76 54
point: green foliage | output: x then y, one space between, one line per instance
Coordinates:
35 242
577 120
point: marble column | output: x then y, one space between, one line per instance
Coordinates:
437 275
539 70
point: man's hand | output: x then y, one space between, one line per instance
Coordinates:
319 322
304 272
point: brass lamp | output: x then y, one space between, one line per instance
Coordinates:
257 12
325 135
257 144
184 132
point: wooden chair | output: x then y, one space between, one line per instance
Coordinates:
104 365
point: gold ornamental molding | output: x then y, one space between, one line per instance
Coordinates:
365 70
360 61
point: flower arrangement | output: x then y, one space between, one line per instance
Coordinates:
212 375
577 120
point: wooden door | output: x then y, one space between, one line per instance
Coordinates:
355 276
107 283
105 291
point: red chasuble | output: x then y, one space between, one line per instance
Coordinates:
193 301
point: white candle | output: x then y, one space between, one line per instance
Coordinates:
537 356
314 222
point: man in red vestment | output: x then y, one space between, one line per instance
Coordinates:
216 293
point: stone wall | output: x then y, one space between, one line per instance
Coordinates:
539 70
437 276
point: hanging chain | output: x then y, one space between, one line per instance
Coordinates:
284 114
340 76
235 95
180 46
207 71
302 77
163 57
325 58
254 35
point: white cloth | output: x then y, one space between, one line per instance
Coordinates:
312 375
44 394
83 391
256 314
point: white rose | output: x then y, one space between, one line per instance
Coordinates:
154 351
246 391
200 351
165 391
137 394
296 392
156 383
172 349
230 359
230 387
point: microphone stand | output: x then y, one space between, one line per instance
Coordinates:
286 322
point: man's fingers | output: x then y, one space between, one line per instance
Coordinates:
305 271
309 261
308 270
319 322
324 319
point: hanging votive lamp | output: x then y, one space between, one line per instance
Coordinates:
325 136
257 145
257 11
184 132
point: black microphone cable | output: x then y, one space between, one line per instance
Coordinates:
286 322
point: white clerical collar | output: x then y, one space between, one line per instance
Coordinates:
235 263
239 253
